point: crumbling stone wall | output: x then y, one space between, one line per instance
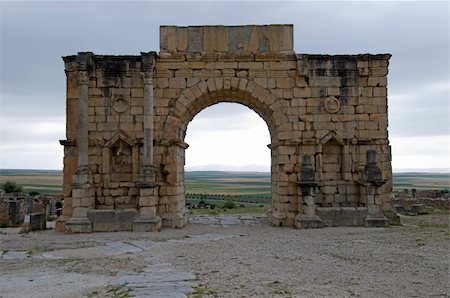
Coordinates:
127 118
439 199
14 208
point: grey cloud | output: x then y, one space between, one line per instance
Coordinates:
34 36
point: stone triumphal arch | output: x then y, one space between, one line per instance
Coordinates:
127 118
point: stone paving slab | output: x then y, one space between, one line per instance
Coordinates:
49 282
11 255
159 280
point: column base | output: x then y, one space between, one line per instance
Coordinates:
147 224
376 221
60 224
175 220
277 219
303 221
78 225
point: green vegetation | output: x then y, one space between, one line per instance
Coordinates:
229 204
10 187
203 291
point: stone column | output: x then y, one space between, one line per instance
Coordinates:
148 169
82 191
83 141
148 220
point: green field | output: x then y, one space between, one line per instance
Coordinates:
240 186
421 181
42 181
228 183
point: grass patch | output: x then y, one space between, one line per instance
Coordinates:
278 288
202 291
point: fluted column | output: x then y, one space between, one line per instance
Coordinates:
82 137
148 220
82 191
148 167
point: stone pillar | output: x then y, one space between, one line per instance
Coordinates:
307 217
82 191
82 137
148 169
148 220
373 181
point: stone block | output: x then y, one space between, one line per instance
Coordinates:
34 222
112 220
177 83
148 201
419 209
285 82
379 92
162 83
137 92
148 192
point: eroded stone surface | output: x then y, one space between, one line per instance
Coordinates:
127 117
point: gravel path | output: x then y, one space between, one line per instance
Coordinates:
240 257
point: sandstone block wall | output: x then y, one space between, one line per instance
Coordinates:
332 108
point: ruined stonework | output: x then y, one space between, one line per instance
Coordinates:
127 118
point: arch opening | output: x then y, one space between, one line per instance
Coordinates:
227 160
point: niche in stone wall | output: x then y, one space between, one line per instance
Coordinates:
332 186
121 167
119 156
332 158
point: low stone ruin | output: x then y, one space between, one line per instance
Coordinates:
416 200
31 212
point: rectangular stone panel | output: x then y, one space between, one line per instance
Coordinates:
236 39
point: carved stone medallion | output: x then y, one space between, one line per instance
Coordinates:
119 104
332 104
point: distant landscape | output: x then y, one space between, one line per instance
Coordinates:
240 186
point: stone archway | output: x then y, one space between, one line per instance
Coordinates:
327 118
184 110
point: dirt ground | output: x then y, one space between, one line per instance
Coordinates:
229 257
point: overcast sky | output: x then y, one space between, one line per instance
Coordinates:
34 36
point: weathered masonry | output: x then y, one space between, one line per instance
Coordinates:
127 118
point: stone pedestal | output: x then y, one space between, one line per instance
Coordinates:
372 181
78 225
82 201
308 219
147 221
375 218
175 220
